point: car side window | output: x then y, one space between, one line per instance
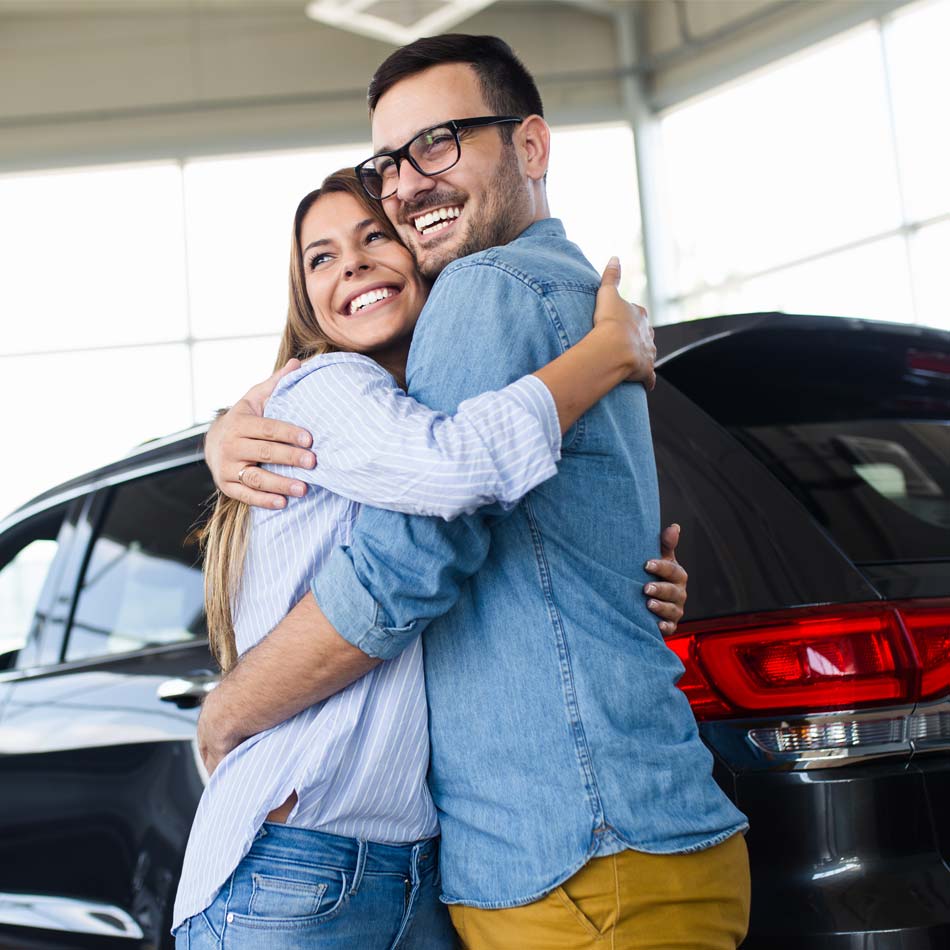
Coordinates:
27 552
142 584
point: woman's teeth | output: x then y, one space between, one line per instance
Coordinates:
435 220
371 296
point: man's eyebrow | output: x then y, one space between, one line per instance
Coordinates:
419 131
322 241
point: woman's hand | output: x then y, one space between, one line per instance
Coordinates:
628 324
667 594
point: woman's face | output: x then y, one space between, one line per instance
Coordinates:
362 285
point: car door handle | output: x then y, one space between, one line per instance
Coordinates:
187 692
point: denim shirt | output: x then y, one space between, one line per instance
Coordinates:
557 730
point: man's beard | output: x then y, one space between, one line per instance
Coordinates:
500 219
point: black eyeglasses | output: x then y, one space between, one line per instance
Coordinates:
431 152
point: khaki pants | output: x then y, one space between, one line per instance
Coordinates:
627 901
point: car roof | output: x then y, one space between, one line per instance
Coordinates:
674 339
178 445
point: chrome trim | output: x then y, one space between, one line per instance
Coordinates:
735 739
927 714
42 912
171 439
188 691
913 730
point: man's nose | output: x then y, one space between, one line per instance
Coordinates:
412 184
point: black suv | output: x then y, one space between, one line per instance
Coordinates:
808 460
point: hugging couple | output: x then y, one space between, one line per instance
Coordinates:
493 487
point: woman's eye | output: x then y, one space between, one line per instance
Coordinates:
317 260
375 236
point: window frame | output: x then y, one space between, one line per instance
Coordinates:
44 655
97 512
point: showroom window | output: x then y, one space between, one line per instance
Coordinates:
818 184
142 585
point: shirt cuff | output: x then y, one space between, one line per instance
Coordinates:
536 399
354 613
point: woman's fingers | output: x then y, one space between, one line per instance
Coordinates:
669 539
611 274
668 598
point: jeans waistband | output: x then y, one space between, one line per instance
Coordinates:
277 840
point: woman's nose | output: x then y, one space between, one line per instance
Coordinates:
353 267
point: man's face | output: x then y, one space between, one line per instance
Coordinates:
484 196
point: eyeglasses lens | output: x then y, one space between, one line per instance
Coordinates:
432 151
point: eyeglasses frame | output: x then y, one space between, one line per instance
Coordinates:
454 125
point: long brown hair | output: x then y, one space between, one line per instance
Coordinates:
224 538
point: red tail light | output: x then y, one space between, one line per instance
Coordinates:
841 657
929 628
929 362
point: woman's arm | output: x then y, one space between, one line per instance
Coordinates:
619 348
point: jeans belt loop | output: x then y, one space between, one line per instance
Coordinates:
414 870
360 865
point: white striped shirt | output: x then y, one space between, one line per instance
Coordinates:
358 760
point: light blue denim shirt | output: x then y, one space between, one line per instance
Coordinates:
557 730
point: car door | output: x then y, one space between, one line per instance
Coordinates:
101 775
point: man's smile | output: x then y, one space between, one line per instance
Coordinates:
435 220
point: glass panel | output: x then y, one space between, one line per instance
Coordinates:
871 281
92 257
609 224
25 559
143 585
240 213
67 413
930 254
920 68
880 487
782 165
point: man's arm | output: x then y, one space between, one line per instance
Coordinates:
301 662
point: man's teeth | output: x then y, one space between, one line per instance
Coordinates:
371 296
435 220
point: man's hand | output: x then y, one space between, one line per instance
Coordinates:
241 439
668 594
213 743
632 323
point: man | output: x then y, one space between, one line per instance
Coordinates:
575 796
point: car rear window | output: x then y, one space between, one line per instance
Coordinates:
853 419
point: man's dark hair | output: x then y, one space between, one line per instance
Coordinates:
507 87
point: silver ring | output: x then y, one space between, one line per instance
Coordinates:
241 473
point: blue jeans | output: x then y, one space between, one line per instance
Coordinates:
300 889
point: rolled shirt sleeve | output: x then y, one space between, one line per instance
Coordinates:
401 571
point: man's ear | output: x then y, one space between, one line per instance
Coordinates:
534 137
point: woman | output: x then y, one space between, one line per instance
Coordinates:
349 855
